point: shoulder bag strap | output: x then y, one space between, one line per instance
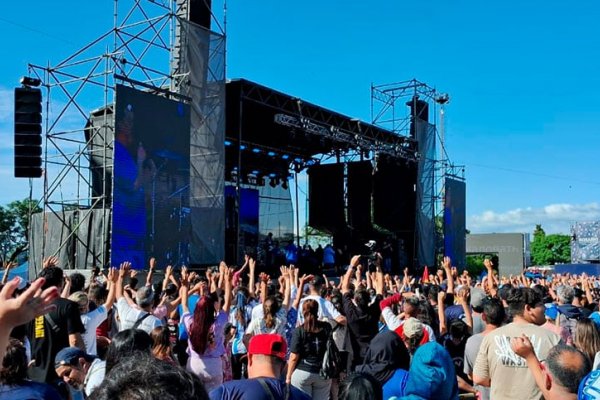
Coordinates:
140 320
266 388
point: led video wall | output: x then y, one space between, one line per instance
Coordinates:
150 202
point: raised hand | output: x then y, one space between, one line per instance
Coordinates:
168 271
447 263
184 275
50 262
152 263
488 263
112 275
522 346
124 269
30 304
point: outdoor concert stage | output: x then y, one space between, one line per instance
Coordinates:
171 160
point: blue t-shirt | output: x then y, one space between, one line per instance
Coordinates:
192 301
29 390
251 389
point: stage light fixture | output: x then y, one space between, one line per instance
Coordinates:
285 157
227 143
256 150
271 154
242 147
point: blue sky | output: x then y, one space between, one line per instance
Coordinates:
523 78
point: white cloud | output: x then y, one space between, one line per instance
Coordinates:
554 218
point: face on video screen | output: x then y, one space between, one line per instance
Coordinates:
151 179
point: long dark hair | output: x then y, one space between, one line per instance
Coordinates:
161 342
270 309
14 364
127 343
204 317
310 312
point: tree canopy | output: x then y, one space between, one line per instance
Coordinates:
550 249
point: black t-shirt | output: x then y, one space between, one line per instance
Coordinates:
311 346
48 338
457 352
363 325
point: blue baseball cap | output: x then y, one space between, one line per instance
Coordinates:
71 356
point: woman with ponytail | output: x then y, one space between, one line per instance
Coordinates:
272 321
205 329
309 343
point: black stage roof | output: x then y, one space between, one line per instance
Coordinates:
275 129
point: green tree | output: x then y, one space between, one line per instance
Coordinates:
14 225
549 249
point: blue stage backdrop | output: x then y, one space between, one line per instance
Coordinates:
455 221
151 211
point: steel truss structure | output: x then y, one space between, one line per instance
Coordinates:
138 51
389 109
350 135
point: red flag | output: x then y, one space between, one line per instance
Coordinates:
425 275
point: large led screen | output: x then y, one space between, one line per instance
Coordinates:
150 203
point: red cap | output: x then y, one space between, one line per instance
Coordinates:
268 344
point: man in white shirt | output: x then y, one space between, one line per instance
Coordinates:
326 309
92 319
136 315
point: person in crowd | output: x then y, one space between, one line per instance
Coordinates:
497 366
563 369
551 314
388 361
325 310
205 329
79 370
77 281
138 314
266 365
431 374
18 309
127 343
13 377
53 332
161 344
587 338
145 377
568 313
362 314
360 386
309 343
92 319
328 259
240 316
478 297
493 317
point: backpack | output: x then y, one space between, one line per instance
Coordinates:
332 360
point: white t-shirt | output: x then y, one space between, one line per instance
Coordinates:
128 316
91 321
326 309
95 376
393 322
257 326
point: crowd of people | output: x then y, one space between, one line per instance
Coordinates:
234 333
